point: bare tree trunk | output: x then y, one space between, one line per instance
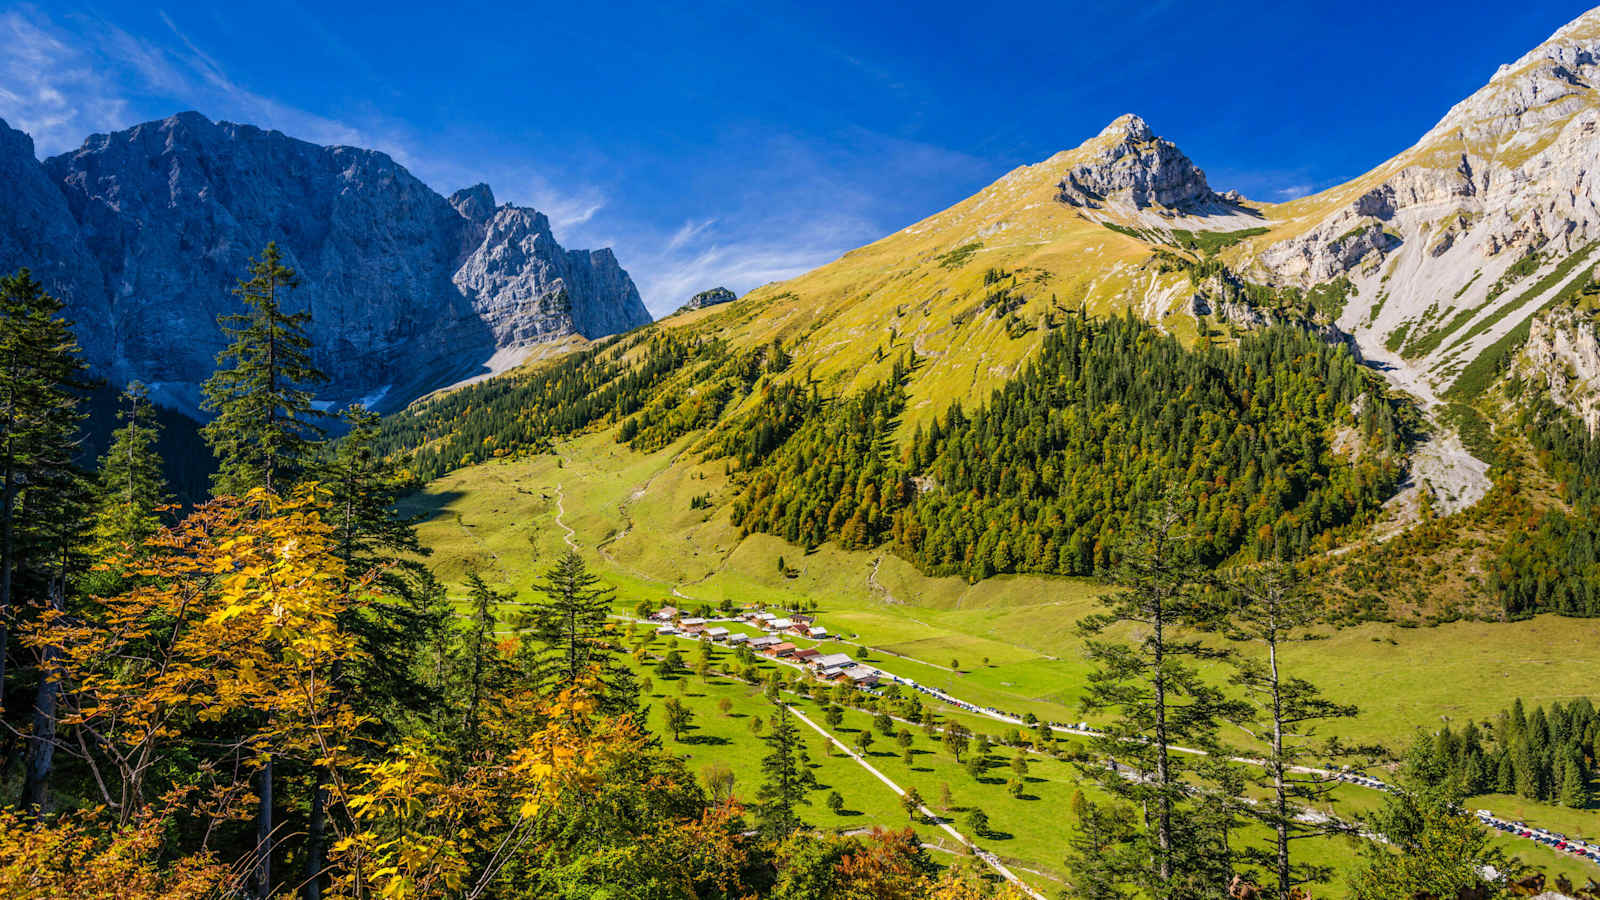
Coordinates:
1279 787
316 839
1163 770
263 873
42 741
8 563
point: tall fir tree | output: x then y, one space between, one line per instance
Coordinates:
62 509
785 778
41 375
572 638
1271 607
132 487
477 667
264 433
1157 698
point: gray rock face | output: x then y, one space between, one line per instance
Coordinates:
34 218
1451 238
527 289
1562 355
713 297
1137 168
406 290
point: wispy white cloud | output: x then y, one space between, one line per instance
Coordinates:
736 261
49 86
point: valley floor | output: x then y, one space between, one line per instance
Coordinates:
1007 642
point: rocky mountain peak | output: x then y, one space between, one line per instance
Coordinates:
1128 127
1446 250
1528 97
1127 164
475 204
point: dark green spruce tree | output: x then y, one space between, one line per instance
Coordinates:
572 638
41 378
59 533
265 432
1098 848
1271 606
475 662
1158 701
132 487
785 778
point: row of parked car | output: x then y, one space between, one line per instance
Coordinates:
1553 840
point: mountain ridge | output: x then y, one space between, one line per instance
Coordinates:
407 292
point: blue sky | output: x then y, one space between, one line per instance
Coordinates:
739 143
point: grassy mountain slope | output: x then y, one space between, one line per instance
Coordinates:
676 458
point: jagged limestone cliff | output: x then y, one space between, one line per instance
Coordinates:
407 290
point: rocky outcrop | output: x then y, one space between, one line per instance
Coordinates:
1562 356
714 297
1134 167
526 288
406 289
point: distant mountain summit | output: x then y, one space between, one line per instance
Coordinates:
145 232
1128 163
714 297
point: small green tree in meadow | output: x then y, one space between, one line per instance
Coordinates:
911 802
678 717
863 741
975 766
956 739
833 715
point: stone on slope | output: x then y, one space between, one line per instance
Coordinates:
714 297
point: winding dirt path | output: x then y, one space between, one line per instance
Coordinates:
561 511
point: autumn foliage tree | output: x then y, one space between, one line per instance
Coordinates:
216 658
